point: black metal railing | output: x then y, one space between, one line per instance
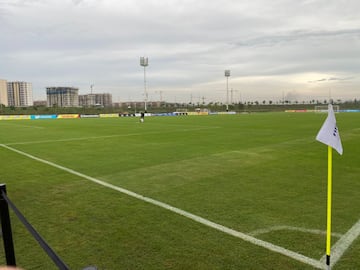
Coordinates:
5 203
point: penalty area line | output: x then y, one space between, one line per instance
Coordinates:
229 231
291 228
339 248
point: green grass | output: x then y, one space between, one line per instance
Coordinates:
246 172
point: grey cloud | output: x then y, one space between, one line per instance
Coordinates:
315 81
302 35
341 79
332 79
189 43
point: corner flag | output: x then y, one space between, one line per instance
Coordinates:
329 133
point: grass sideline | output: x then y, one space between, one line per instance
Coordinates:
246 172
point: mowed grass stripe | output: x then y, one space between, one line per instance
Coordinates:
245 237
249 173
107 136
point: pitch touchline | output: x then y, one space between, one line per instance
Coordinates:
18 125
106 136
69 139
243 236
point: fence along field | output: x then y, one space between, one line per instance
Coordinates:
260 175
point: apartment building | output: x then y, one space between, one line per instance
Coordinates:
3 93
19 94
104 100
87 100
62 96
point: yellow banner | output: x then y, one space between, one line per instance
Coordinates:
14 117
68 116
109 115
198 113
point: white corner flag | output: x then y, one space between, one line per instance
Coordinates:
329 132
329 135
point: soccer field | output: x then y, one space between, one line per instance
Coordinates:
189 192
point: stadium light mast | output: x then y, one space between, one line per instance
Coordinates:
160 93
91 99
227 75
144 62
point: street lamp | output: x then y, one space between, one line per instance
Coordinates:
144 62
227 75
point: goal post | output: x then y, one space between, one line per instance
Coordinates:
182 110
324 108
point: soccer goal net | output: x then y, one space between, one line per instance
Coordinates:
324 108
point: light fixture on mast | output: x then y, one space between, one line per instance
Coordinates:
227 75
144 62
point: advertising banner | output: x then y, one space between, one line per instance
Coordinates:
45 116
14 117
68 116
198 113
89 116
164 114
349 110
226 112
103 115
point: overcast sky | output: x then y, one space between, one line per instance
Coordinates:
303 49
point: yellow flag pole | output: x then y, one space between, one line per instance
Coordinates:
329 192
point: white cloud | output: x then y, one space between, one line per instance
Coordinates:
269 47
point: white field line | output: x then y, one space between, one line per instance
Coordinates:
18 125
69 139
343 244
243 236
291 228
107 136
185 126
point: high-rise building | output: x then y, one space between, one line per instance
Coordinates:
103 99
62 96
20 94
3 93
87 100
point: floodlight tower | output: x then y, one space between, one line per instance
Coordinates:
227 75
144 62
91 99
160 93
